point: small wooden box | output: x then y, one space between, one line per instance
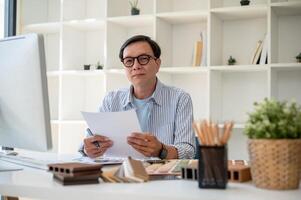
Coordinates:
238 171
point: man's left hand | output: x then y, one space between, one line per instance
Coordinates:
145 143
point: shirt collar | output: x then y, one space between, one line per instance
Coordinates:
156 96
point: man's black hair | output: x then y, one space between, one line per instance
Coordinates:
141 38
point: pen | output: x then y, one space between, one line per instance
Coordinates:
91 134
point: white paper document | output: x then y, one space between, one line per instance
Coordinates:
116 126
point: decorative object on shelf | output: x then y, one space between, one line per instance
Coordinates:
298 57
87 67
134 9
99 66
231 61
244 2
274 144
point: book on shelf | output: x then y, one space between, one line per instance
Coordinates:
204 52
199 52
264 52
260 54
257 52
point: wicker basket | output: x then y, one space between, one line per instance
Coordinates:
275 164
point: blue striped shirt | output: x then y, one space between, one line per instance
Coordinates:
170 118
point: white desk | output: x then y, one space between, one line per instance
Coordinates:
39 184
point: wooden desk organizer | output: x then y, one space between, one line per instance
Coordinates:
238 171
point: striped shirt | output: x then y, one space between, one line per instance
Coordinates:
170 115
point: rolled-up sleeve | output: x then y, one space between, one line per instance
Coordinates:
184 135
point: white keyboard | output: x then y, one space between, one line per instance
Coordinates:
26 161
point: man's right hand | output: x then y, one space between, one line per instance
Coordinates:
93 150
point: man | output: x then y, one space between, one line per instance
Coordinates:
165 113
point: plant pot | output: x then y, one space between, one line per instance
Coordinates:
244 2
135 11
86 67
275 163
99 67
299 60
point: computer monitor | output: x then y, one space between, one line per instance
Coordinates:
24 106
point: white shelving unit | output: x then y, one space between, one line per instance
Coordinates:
79 32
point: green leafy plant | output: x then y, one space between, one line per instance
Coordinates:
134 4
231 61
134 9
298 57
99 66
274 120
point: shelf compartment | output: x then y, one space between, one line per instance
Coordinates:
236 38
83 9
180 5
232 94
86 24
184 17
117 34
53 95
240 68
54 137
81 93
70 137
196 85
177 48
122 7
81 48
51 27
82 73
183 70
57 122
287 8
286 82
42 11
51 34
115 81
235 13
230 3
285 33
133 21
238 145
286 65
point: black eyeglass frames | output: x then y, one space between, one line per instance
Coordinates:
142 60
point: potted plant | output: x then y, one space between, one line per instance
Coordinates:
134 9
244 2
231 61
298 57
274 131
87 67
99 66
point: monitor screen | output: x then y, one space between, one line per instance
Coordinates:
24 106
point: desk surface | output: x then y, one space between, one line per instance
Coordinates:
39 184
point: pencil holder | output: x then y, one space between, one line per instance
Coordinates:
213 167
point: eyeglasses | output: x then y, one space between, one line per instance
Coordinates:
142 60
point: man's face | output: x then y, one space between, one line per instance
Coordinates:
138 74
